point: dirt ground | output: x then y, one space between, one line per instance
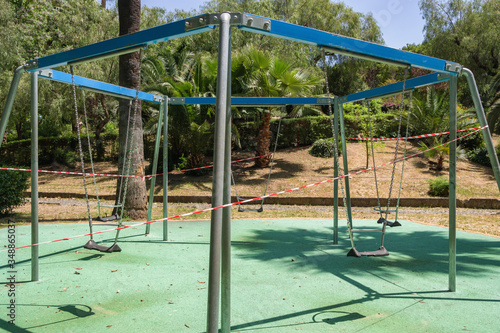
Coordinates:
292 168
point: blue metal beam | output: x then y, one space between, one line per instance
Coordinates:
100 87
142 38
396 88
251 101
353 47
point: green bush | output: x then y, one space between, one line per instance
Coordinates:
439 187
63 150
12 185
323 148
479 155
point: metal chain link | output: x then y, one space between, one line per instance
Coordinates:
401 107
90 152
410 106
373 158
80 147
128 156
336 141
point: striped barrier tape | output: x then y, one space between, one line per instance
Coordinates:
73 173
248 200
413 137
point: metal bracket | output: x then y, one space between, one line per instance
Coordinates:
453 67
237 19
32 64
201 21
157 98
324 100
177 100
443 76
255 22
343 99
45 73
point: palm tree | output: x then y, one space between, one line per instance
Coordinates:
431 114
178 72
130 76
257 74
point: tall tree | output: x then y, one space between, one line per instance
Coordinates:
129 12
260 75
466 32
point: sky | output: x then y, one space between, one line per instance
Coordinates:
399 20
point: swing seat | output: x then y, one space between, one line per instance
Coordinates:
108 218
92 245
259 210
389 223
378 253
241 209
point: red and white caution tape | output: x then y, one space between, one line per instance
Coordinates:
248 200
413 137
73 173
206 167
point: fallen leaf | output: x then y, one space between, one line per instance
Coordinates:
118 291
113 270
186 325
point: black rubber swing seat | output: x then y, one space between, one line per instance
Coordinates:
108 218
378 253
241 209
259 210
92 245
389 223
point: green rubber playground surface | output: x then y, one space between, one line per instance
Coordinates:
287 276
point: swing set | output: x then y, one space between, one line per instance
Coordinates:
220 238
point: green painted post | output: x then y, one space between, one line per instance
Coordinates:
155 166
165 169
490 147
452 229
34 175
335 175
10 101
344 158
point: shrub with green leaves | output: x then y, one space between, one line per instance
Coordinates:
439 187
323 148
12 185
479 155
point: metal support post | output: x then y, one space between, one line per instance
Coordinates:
214 273
335 175
155 166
490 147
10 101
452 229
34 176
226 213
344 158
165 168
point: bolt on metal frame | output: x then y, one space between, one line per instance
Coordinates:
220 233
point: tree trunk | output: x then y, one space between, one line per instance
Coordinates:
130 76
263 141
103 4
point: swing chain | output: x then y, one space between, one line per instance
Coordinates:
80 146
401 107
335 138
